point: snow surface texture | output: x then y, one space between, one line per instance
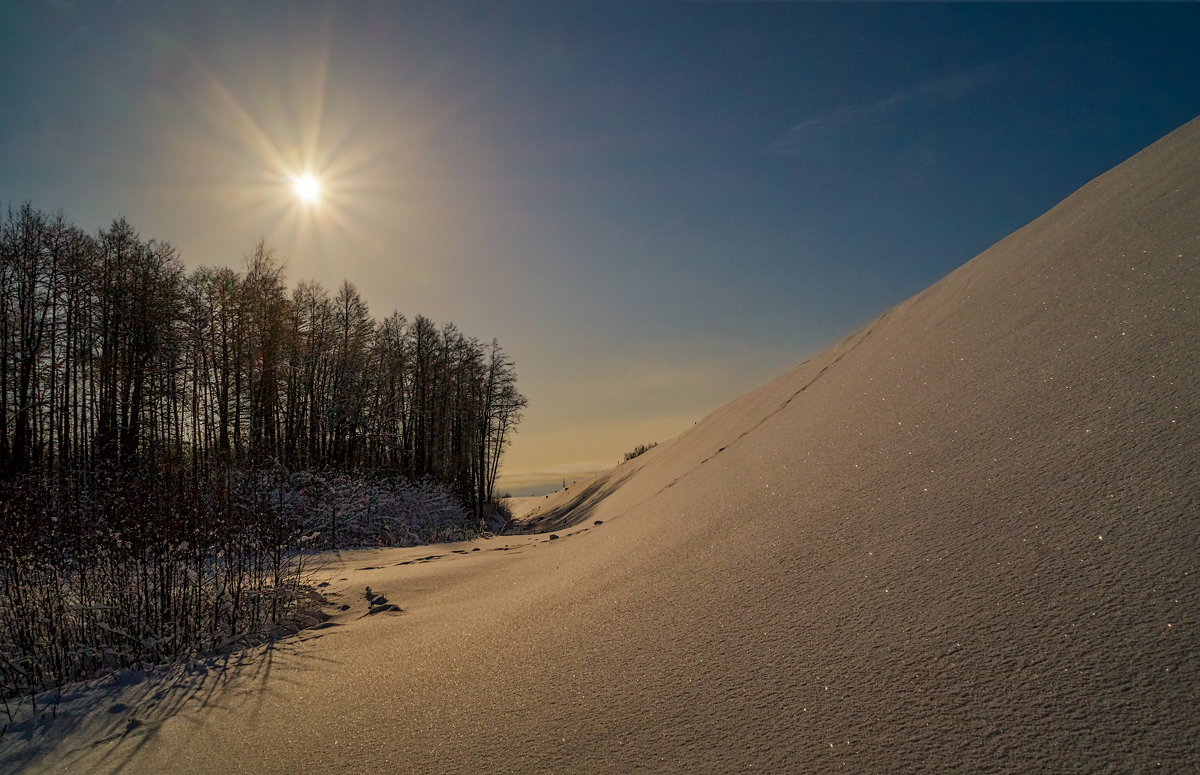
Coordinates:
964 539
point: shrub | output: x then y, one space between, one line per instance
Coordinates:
640 449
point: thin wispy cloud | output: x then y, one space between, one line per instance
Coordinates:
846 117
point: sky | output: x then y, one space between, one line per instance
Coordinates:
653 206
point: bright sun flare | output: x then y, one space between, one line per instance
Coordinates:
307 188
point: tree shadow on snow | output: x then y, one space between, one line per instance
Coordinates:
125 710
581 506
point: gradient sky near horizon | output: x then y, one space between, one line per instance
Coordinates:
653 206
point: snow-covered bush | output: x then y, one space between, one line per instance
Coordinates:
337 510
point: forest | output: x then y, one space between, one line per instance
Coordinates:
172 442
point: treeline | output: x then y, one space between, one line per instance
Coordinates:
111 355
173 443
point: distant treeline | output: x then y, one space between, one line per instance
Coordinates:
111 355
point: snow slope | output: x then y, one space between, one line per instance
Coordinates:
963 539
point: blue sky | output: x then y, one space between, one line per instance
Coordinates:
654 206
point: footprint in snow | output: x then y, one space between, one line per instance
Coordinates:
379 604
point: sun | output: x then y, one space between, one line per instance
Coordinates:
307 188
